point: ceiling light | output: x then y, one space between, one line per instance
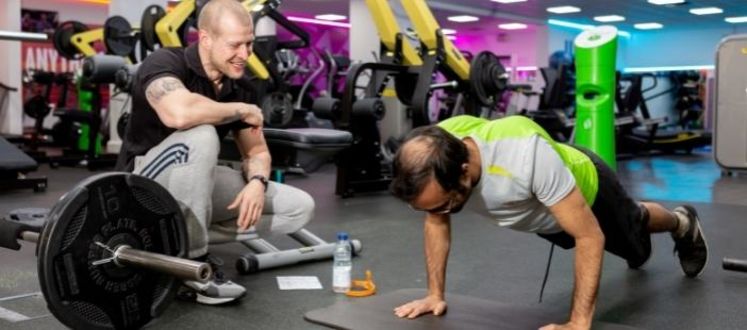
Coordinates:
557 22
330 17
738 19
452 38
508 1
563 9
648 26
670 68
609 18
448 31
463 18
512 26
318 21
665 2
706 11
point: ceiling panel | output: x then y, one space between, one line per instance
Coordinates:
534 11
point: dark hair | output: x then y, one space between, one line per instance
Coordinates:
427 151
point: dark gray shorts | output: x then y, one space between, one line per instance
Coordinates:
623 221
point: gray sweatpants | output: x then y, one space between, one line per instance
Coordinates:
186 163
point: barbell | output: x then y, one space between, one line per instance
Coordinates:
110 252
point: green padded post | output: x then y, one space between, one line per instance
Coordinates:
85 103
595 52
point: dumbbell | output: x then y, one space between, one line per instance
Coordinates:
110 253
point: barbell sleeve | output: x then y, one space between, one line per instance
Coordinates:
178 267
127 256
444 85
30 236
22 36
735 265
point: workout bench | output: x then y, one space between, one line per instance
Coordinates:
14 163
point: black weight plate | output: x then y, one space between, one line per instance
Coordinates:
62 38
37 107
487 78
151 15
114 209
277 109
118 37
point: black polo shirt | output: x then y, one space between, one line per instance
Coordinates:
145 130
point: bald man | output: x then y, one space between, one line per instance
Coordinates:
185 100
510 171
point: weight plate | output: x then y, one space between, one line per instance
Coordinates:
277 109
118 36
151 15
487 78
36 107
32 216
114 209
62 38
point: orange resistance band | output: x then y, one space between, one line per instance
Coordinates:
362 288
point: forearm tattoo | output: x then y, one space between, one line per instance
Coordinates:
162 86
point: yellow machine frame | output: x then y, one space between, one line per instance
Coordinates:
386 25
84 41
425 25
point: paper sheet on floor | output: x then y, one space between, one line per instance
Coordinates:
299 283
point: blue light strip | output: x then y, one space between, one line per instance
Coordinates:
669 68
578 26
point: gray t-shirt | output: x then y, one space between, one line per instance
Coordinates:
522 172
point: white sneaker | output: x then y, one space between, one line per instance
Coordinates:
217 290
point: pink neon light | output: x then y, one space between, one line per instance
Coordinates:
317 21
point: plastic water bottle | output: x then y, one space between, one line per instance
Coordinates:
342 265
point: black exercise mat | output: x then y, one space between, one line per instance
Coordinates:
463 312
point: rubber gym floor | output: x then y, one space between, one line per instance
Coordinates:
486 261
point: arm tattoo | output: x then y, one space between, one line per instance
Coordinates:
162 86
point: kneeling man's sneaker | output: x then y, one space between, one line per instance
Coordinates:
216 291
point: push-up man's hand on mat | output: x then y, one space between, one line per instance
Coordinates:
416 308
567 326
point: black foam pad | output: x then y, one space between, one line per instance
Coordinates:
463 313
13 159
308 137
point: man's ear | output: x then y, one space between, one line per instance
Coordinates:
465 168
204 38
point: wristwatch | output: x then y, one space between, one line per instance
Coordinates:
259 177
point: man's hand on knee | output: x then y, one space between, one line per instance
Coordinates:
251 202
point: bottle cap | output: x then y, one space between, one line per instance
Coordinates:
342 236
